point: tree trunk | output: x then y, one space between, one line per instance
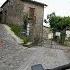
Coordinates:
62 36
54 35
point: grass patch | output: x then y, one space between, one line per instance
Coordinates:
67 43
25 39
17 30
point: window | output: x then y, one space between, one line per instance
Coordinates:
31 12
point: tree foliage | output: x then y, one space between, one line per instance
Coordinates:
60 24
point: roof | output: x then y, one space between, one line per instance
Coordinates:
35 2
4 3
30 1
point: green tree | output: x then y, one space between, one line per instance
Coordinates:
58 23
62 26
51 18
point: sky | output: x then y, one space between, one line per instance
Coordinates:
60 7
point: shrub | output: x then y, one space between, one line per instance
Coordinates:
17 30
25 39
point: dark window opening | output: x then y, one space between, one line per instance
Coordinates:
25 25
31 12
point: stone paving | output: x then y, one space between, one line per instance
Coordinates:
9 51
16 57
51 44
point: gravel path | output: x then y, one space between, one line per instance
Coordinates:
16 57
49 58
54 45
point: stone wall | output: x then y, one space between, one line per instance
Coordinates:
47 33
13 13
38 25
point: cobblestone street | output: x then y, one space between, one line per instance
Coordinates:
17 57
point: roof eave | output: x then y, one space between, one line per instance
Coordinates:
35 2
4 3
42 4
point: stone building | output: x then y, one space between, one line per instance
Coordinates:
16 11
